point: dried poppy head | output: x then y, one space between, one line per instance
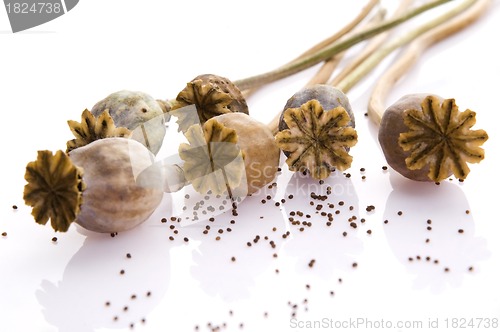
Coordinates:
212 95
101 186
138 112
230 152
317 130
426 138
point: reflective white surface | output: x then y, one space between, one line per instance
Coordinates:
49 74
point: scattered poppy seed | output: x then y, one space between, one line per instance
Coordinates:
186 239
4 234
429 221
163 220
332 293
446 269
384 168
14 207
122 271
171 238
386 221
129 255
427 240
233 259
148 293
115 318
369 231
311 263
354 264
467 211
362 169
344 234
429 228
125 308
108 304
54 239
400 213
217 238
460 231
471 268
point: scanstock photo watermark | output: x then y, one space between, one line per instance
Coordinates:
348 324
26 14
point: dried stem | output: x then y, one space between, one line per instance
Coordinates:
372 46
331 50
336 36
329 66
416 48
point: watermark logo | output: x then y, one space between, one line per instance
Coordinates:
26 14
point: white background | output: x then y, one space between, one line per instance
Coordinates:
50 73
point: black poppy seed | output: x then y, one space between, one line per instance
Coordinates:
220 231
125 308
233 259
429 221
384 168
436 261
446 269
351 208
172 226
471 268
467 211
133 296
363 177
263 201
211 219
171 238
129 255
277 204
341 203
176 231
148 294
131 325
54 239
4 234
122 271
311 263
332 293
14 207
369 231
143 320
205 232
354 265
328 223
249 244
386 221
217 238
460 231
268 197
277 271
427 258
115 318
418 257
427 240
311 203
163 220
290 196
410 259
353 225
429 228
301 229
308 286
344 234
107 304
275 255
362 169
348 175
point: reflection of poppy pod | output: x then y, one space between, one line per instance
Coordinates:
26 15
